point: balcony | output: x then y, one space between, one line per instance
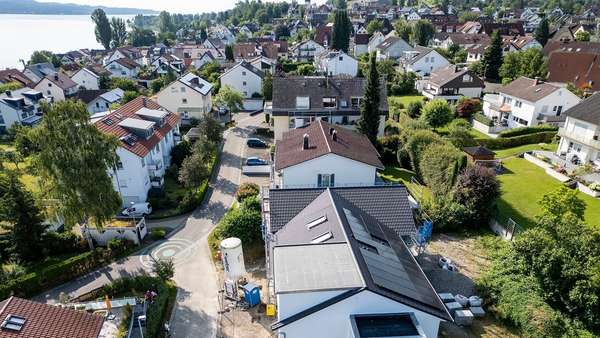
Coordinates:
590 142
157 181
156 166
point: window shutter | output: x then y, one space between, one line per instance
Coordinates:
318 180
332 180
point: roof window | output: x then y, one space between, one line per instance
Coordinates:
322 238
316 222
14 323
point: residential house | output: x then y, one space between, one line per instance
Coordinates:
392 48
361 44
57 87
165 63
100 100
23 318
334 63
451 83
423 61
568 32
324 155
13 75
265 64
375 40
323 35
470 27
298 101
190 96
528 102
246 79
517 43
580 136
132 53
147 133
306 51
337 257
38 71
89 77
123 67
20 106
578 68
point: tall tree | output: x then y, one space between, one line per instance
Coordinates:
375 26
76 179
542 32
203 34
341 31
492 58
229 53
165 23
267 87
142 37
231 99
22 218
422 32
119 32
103 30
368 124
403 30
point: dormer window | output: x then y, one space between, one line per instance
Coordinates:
329 102
302 102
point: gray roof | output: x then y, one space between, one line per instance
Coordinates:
248 66
421 53
343 88
451 77
587 110
528 89
42 69
196 83
21 98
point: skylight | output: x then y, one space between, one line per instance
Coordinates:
322 238
13 322
316 222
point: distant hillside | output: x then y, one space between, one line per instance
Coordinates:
52 8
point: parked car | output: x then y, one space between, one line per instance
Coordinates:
256 143
138 210
256 161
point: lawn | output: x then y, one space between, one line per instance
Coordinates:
524 184
508 152
405 100
404 176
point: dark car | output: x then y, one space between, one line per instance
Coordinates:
256 143
256 161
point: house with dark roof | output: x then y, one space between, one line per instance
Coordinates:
38 71
528 102
14 75
22 318
582 69
247 80
361 44
100 100
392 48
20 106
422 61
324 155
338 260
580 136
300 100
57 86
451 83
147 133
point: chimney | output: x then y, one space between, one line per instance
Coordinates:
456 68
8 93
144 101
56 76
305 144
331 130
334 136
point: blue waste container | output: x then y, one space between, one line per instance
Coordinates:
252 294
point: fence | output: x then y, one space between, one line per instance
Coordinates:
507 231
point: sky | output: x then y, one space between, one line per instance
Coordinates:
173 6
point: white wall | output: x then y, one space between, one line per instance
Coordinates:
133 180
50 89
196 105
281 124
86 79
98 105
429 63
103 236
347 172
242 80
294 302
117 70
334 321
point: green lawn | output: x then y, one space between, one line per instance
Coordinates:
404 176
405 100
524 184
508 152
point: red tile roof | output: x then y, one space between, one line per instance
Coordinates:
581 69
349 144
43 320
141 147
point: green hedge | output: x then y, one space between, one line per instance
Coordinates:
509 142
527 130
479 117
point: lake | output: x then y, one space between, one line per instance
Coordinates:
22 34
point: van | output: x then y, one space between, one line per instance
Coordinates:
138 210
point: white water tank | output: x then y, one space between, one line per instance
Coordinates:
232 258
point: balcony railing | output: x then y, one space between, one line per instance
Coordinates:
156 165
590 142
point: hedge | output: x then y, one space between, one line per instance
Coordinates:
509 142
479 117
527 130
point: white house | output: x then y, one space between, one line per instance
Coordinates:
375 40
246 79
527 102
190 96
147 134
103 101
392 48
322 155
306 51
123 67
20 106
89 77
340 268
451 83
58 87
361 44
423 61
580 137
334 63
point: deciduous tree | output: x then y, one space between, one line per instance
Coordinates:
437 113
422 32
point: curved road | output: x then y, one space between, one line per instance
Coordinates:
195 313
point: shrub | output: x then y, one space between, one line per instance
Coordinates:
465 108
241 223
446 214
527 130
414 109
439 164
417 142
477 188
180 152
247 190
252 203
459 133
479 117
119 246
437 113
59 243
158 233
387 146
164 269
509 142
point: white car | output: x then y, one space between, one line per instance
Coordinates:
138 210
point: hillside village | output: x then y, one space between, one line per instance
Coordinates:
367 168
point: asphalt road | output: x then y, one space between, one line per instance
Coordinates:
195 313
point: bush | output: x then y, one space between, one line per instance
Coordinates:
119 246
387 146
164 269
417 142
56 243
241 223
477 188
527 130
252 203
479 117
180 152
446 214
509 142
247 190
414 109
439 165
158 233
437 113
465 108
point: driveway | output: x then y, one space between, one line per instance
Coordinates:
195 313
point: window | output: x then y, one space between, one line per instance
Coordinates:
243 73
119 164
303 102
244 83
2 120
184 100
518 103
183 89
467 78
14 323
97 104
329 102
507 100
341 58
355 102
426 59
557 110
48 92
520 120
325 180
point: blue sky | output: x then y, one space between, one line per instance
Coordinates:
178 6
